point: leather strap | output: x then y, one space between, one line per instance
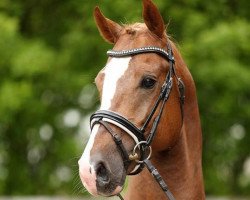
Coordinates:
142 50
158 179
119 119
118 142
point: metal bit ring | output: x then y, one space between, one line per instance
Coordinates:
138 146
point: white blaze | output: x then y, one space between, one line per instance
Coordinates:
113 71
85 159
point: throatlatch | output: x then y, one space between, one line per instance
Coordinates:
106 117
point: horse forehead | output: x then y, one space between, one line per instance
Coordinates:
116 67
137 35
113 71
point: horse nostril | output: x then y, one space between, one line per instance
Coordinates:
102 174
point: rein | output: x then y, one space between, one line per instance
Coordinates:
107 117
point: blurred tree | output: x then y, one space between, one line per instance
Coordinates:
222 76
50 51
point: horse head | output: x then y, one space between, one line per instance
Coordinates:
129 87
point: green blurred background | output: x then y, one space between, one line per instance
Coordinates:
50 51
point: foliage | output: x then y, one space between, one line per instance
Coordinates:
50 52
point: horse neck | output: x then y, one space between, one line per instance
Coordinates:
180 167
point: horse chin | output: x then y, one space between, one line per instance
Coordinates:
117 191
114 187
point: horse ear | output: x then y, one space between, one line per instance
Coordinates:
153 18
108 29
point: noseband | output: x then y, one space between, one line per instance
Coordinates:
107 117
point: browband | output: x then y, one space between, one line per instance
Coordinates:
149 49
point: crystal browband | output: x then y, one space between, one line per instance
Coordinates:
149 49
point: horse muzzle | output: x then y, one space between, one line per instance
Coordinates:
101 167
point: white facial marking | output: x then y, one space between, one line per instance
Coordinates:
85 166
86 155
113 72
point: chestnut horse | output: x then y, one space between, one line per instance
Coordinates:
142 86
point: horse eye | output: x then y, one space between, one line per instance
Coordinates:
148 82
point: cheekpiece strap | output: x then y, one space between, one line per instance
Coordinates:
149 49
118 141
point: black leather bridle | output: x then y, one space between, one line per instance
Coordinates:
107 117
